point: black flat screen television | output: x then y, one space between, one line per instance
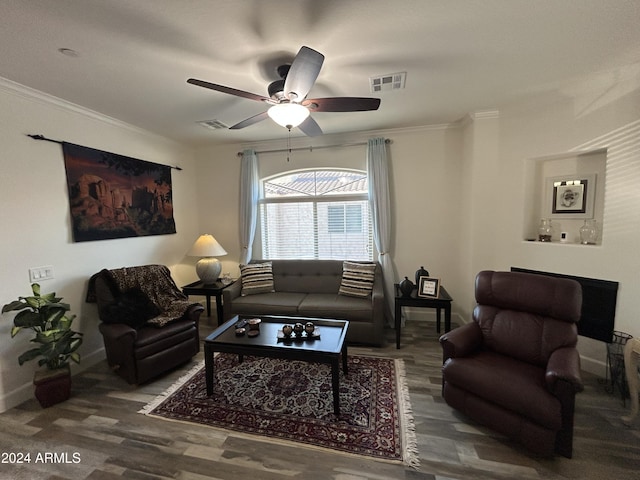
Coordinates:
599 299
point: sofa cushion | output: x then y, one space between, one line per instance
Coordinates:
357 279
256 278
331 305
514 385
275 303
304 276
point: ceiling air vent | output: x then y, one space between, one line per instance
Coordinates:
213 124
390 81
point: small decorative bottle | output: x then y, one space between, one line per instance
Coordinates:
406 287
544 230
421 273
589 232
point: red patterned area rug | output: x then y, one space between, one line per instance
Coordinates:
292 401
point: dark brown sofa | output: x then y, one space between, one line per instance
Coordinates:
515 367
309 288
147 323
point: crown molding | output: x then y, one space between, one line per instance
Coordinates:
478 115
21 91
347 137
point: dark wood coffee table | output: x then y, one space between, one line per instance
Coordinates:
326 349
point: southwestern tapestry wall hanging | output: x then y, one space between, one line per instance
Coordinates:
113 196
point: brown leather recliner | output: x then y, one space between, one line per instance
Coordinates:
148 324
515 367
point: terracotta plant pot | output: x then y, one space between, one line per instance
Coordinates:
52 386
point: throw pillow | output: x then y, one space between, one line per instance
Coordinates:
357 279
256 278
132 308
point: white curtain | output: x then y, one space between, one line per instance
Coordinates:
248 203
380 199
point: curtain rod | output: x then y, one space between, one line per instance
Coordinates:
42 137
312 148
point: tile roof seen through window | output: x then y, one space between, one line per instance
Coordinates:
316 183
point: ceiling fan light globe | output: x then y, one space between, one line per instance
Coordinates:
288 115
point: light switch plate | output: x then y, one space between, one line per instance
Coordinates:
37 274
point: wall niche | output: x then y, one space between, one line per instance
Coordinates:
566 189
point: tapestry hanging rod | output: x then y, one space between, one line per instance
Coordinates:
42 137
312 148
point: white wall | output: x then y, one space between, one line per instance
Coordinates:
35 218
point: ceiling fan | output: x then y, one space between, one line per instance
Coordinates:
287 96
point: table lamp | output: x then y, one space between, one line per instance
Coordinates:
208 268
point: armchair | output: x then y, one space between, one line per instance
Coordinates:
515 367
147 324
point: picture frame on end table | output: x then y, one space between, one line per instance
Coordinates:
429 287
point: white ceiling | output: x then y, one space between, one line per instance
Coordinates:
461 56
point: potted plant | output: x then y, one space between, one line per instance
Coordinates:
46 315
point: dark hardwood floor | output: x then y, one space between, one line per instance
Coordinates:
98 435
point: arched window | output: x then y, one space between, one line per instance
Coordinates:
316 214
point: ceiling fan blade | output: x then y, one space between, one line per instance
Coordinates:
229 90
310 127
250 121
303 73
342 104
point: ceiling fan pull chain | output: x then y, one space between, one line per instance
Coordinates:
288 145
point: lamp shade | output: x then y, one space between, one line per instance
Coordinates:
206 246
288 115
208 268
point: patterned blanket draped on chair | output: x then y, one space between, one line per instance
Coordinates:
156 283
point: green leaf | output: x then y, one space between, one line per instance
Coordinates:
15 305
14 331
28 319
29 355
33 302
35 288
73 346
49 298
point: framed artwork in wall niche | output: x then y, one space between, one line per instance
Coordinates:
429 287
571 196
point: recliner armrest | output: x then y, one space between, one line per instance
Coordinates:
194 312
461 341
116 331
564 364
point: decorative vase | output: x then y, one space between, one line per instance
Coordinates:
589 232
406 287
421 273
286 330
52 386
544 230
298 328
309 327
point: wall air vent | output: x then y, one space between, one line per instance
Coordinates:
213 124
390 81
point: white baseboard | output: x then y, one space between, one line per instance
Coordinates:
25 391
591 365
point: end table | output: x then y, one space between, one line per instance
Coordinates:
442 301
208 290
